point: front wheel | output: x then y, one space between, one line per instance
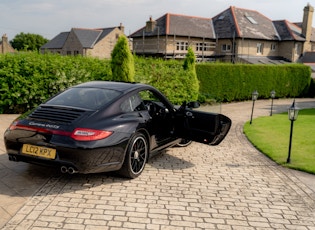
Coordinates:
136 156
184 143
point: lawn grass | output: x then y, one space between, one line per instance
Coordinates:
271 135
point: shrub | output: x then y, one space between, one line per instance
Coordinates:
27 79
122 62
234 82
169 77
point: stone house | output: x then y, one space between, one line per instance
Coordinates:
86 42
172 34
248 36
5 46
236 35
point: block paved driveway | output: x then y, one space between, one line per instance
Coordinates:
230 186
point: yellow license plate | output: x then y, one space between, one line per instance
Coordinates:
39 151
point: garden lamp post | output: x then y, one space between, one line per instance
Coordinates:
293 114
272 95
254 98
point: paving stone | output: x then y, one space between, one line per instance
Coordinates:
230 186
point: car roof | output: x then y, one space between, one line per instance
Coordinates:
119 86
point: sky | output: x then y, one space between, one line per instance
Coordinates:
51 17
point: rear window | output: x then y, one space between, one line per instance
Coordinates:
87 98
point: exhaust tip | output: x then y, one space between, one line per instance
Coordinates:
64 169
72 170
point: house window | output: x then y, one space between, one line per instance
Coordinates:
260 47
68 52
226 47
76 52
251 19
182 46
273 47
203 46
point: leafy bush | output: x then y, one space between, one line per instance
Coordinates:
27 79
169 77
122 62
234 82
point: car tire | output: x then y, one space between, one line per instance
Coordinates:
184 143
136 156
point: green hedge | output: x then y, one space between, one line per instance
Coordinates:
169 77
236 82
27 79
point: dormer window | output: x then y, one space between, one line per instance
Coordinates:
221 17
251 19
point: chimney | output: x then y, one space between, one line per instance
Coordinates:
4 38
150 25
122 28
4 43
307 22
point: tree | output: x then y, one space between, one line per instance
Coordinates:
190 66
122 62
28 41
189 62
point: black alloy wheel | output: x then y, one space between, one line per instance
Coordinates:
136 156
184 143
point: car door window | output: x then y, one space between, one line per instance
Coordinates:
132 104
161 119
153 103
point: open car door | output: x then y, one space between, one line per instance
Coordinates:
202 127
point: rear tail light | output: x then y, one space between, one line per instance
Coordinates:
16 125
13 125
79 134
83 134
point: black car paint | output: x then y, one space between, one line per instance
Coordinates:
108 154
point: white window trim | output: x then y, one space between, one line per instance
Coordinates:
260 48
182 46
226 47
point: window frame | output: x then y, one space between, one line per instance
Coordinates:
226 47
260 48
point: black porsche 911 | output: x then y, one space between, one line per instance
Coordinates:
105 126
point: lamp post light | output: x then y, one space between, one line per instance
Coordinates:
272 95
293 112
254 98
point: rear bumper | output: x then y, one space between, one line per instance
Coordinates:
78 160
74 156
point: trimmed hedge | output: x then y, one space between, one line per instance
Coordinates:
236 82
169 77
28 79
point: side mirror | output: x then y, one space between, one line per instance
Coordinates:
193 104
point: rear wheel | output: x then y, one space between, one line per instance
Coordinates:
136 156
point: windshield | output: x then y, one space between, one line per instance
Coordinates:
88 98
